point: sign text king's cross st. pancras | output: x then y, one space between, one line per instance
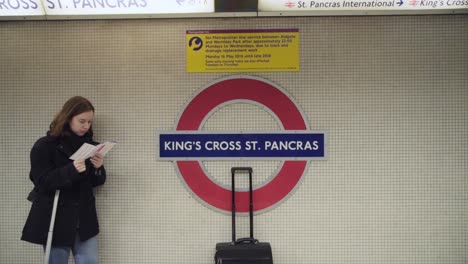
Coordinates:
295 145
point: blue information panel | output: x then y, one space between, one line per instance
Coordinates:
285 146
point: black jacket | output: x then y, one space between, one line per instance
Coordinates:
51 169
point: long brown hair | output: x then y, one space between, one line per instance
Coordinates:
74 106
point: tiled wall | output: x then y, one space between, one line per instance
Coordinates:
390 92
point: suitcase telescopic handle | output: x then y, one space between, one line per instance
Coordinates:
233 207
248 169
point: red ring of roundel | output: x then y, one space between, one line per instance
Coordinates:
241 89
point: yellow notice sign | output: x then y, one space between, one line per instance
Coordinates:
267 50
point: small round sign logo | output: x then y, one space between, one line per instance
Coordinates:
247 89
196 43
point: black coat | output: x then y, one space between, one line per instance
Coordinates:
51 169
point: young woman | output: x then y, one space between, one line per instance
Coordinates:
76 223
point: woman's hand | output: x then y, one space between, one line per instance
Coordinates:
97 160
80 165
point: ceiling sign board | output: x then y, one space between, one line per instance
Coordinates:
31 8
105 8
394 6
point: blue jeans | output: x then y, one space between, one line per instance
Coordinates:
84 252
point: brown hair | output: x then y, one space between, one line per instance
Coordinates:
74 106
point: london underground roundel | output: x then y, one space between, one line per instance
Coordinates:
247 89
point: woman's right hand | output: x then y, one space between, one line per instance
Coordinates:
80 165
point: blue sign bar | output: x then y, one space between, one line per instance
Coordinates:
285 146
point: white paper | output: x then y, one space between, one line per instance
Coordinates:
87 150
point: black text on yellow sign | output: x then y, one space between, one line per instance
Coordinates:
267 50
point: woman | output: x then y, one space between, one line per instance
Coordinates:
76 224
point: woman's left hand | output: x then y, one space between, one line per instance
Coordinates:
97 160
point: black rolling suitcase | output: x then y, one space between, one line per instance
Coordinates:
244 250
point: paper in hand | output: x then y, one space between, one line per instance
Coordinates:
87 150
